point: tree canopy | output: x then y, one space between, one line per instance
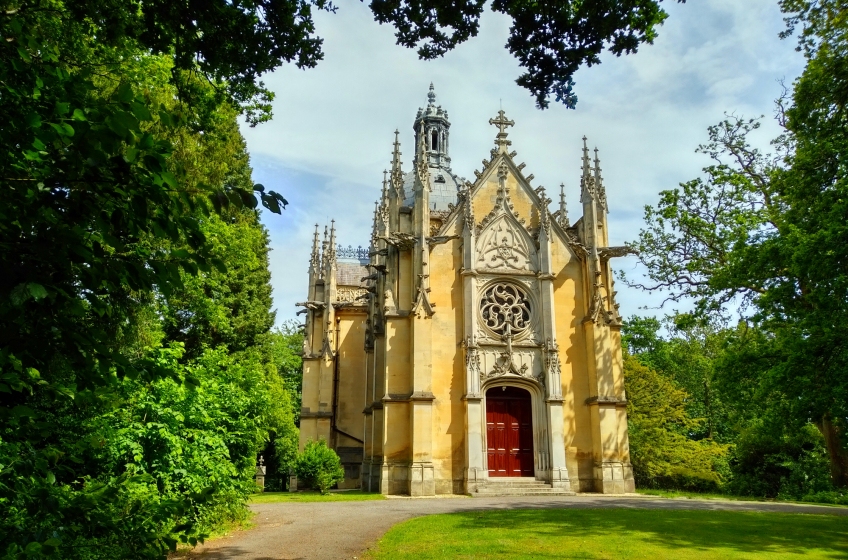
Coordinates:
764 235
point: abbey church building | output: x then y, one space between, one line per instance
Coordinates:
473 346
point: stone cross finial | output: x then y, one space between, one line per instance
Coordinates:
501 122
431 95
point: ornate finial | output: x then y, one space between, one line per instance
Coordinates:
562 215
544 212
384 195
431 95
374 232
397 168
324 249
502 123
468 214
421 160
599 182
315 258
587 181
331 245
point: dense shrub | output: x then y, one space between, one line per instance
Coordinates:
318 466
771 460
662 454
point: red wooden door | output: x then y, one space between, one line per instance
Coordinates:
509 432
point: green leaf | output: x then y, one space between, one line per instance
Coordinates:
124 93
169 178
79 115
34 120
37 291
146 141
141 112
63 129
21 411
219 264
62 108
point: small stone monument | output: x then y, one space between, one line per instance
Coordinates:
260 474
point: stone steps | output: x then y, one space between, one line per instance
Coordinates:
519 487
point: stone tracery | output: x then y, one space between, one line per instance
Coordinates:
505 308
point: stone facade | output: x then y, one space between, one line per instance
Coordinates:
467 287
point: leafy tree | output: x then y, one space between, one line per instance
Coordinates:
287 349
769 232
661 451
229 308
687 357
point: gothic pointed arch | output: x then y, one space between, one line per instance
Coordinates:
503 242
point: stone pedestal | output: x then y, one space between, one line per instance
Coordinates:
614 477
422 480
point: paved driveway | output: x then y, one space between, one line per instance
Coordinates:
343 530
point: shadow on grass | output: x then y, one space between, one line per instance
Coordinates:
743 532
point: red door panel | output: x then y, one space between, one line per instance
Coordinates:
509 432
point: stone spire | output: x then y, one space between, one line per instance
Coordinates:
331 248
587 181
397 169
374 232
562 215
384 195
432 126
324 250
599 183
315 258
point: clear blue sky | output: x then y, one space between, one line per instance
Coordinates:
333 126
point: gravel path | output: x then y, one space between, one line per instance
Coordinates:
343 530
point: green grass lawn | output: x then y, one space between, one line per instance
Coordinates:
308 496
704 496
616 533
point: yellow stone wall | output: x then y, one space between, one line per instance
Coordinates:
414 382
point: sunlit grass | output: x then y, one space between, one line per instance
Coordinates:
616 533
705 496
309 496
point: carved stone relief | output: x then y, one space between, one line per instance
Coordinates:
350 295
503 245
505 308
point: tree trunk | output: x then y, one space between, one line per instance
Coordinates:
834 434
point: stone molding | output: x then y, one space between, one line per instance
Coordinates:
319 414
606 400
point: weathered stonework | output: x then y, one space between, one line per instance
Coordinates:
465 290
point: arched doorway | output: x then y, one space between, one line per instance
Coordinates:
509 432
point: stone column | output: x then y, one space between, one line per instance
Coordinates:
558 474
475 470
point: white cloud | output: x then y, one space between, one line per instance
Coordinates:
333 127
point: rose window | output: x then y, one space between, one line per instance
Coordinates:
505 304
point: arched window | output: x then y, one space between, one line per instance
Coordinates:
434 144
